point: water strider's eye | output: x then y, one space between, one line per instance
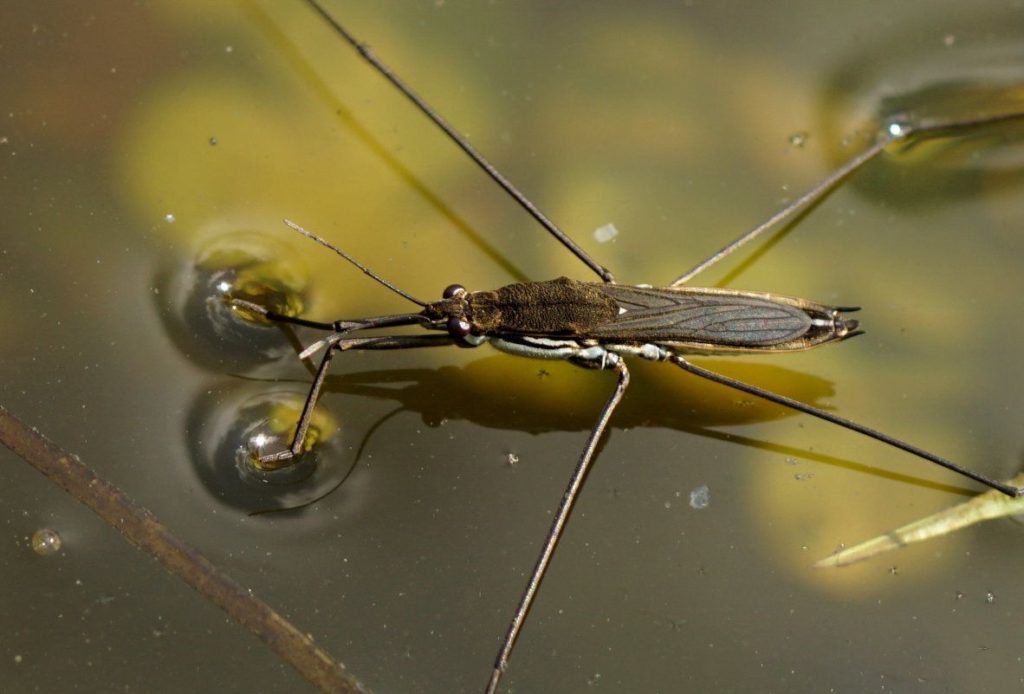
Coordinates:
458 327
452 291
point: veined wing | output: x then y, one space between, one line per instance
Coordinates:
710 316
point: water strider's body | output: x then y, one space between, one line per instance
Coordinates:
623 319
596 324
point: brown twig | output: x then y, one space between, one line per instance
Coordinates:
143 530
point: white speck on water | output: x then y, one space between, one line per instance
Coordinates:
897 129
990 597
169 218
799 139
606 233
700 497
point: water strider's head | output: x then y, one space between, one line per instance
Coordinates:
452 312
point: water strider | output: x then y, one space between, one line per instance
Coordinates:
598 325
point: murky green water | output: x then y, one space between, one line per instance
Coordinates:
134 139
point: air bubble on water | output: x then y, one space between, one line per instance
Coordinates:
169 218
990 597
46 541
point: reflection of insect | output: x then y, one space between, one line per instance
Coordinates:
597 324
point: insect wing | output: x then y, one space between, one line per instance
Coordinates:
717 317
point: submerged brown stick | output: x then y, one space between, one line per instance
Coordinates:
143 530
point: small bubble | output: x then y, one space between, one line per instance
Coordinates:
45 542
959 595
700 497
799 139
169 218
990 597
213 141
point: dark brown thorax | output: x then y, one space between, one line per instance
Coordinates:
555 307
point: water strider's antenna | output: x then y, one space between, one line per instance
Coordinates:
367 271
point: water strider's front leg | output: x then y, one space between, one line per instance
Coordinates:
274 461
337 342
